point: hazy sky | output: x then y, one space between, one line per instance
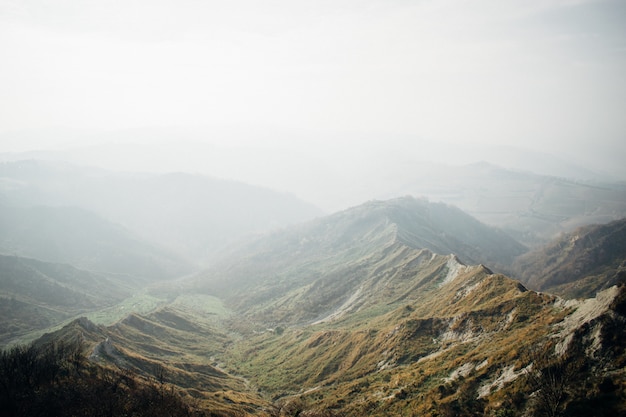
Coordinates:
542 74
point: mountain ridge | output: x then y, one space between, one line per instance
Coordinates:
306 264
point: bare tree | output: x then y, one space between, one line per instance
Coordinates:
551 380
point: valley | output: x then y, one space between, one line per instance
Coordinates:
391 307
313 208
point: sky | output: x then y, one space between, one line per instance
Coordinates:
545 75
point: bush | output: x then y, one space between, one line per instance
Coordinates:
55 380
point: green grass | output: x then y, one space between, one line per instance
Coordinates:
138 303
201 304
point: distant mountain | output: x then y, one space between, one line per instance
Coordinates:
192 214
81 238
578 264
532 208
533 196
366 250
35 295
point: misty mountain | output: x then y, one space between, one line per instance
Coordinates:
365 250
533 196
577 264
81 238
532 208
35 295
192 214
387 308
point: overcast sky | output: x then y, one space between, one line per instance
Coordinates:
539 74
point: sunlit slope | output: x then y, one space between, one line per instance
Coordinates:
578 264
376 253
357 312
473 307
464 347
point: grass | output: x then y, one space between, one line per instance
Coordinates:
138 303
201 304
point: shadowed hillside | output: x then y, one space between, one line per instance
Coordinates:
55 379
578 264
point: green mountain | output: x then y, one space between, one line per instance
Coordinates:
577 264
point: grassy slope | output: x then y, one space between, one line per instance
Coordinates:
181 342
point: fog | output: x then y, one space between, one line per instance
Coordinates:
333 101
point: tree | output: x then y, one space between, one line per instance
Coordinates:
551 380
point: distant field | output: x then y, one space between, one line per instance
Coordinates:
138 303
200 304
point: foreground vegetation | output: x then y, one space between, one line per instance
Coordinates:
55 379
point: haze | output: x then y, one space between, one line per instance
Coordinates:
311 97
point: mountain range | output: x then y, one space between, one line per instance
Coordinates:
394 307
192 215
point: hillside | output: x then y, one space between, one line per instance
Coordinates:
477 343
177 346
55 378
81 238
578 264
